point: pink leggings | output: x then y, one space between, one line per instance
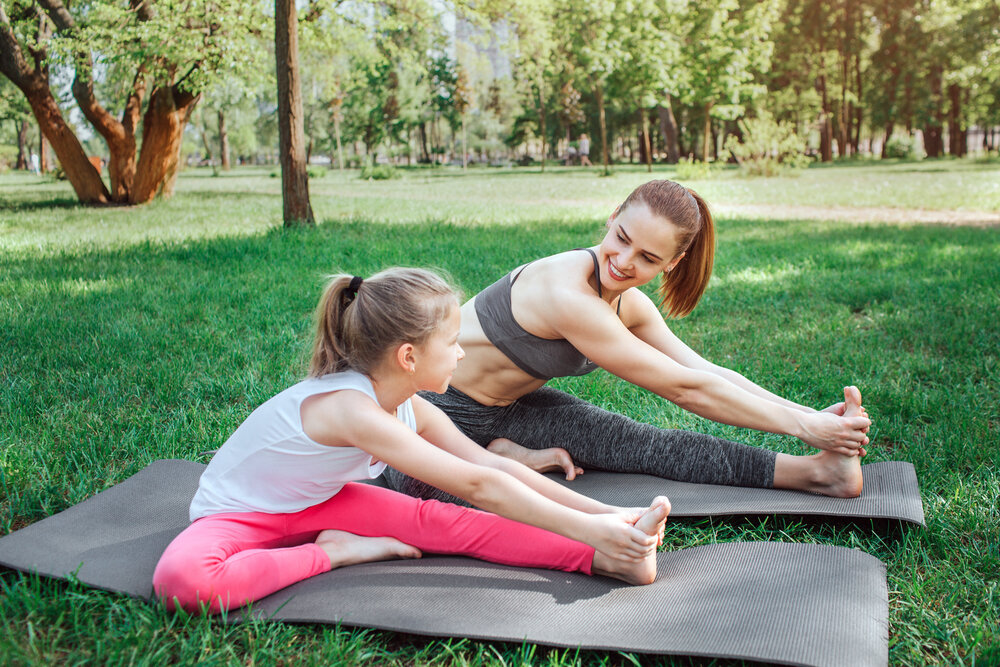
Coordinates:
228 560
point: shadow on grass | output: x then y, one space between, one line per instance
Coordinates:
20 206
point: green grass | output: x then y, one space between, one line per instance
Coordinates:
130 335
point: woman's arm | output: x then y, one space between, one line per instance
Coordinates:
350 418
649 326
435 427
586 322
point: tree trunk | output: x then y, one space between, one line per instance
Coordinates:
82 175
206 143
707 133
825 126
465 145
647 148
541 122
934 127
291 130
224 142
23 149
340 147
956 136
599 90
668 128
425 155
162 134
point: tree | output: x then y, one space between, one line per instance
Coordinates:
296 209
587 39
155 56
725 47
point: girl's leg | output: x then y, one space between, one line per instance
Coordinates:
441 528
227 560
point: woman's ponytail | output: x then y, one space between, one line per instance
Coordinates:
681 289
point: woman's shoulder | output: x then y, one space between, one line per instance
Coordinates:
570 270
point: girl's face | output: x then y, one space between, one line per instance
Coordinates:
638 247
438 357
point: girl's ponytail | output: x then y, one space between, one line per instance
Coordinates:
329 354
681 289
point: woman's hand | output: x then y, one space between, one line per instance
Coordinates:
827 430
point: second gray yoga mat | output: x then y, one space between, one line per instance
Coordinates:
890 491
801 604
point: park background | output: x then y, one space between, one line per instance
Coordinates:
849 150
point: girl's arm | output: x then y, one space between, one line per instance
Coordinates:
435 427
350 418
594 329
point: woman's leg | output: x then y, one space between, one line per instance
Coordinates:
599 439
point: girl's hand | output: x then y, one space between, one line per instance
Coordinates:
615 535
843 435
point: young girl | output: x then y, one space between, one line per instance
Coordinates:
573 312
277 503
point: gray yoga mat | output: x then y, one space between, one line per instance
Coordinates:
890 491
800 604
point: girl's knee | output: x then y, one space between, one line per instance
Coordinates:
183 585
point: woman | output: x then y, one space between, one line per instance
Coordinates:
570 313
278 502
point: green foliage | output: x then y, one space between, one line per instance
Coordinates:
690 169
768 148
903 147
8 156
316 171
379 172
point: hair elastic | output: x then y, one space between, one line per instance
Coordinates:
352 289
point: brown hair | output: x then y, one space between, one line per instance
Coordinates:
681 289
356 327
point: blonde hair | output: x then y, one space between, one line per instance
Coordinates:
356 327
681 289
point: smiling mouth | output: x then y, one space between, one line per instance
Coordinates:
615 273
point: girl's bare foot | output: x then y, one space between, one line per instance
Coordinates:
345 548
552 459
639 574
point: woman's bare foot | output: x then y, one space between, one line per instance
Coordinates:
345 548
827 473
638 574
540 460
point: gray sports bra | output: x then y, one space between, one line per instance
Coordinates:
542 358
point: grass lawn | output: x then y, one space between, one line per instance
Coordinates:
131 335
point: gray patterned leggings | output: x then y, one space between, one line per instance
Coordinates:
597 440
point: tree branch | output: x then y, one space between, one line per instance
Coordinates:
12 62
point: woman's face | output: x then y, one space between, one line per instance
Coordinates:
638 247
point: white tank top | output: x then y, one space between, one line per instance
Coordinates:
270 465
